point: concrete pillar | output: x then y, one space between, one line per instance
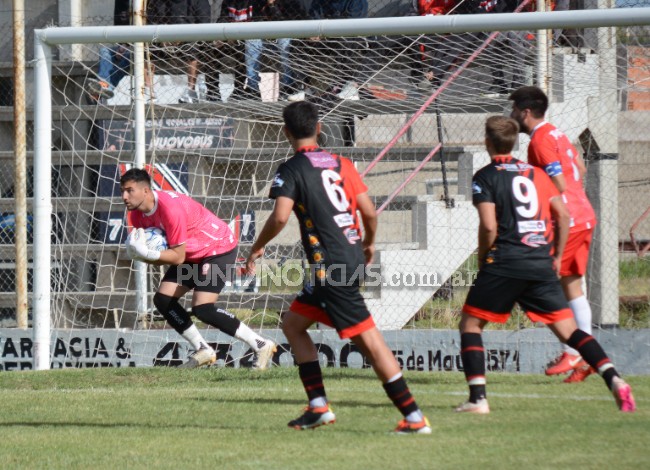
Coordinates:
602 272
71 13
468 164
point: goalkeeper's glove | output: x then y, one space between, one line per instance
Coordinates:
136 247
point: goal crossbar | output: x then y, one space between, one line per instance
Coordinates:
336 28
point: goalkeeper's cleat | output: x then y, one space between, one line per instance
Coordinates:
407 427
201 357
623 395
564 363
481 407
99 89
579 374
313 417
264 357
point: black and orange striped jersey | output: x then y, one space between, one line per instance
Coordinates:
324 188
522 195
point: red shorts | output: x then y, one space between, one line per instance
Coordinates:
576 253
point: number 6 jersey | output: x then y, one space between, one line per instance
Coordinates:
521 194
324 188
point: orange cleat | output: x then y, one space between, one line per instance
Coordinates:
564 363
579 374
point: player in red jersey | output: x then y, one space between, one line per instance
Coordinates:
325 192
519 258
202 252
552 151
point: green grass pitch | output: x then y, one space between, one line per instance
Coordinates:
159 418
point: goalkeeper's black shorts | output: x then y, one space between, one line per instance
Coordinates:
208 275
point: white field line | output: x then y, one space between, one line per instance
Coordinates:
418 390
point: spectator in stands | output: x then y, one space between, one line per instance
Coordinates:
115 61
190 12
508 51
347 53
434 54
225 53
272 10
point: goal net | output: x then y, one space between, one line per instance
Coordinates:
409 110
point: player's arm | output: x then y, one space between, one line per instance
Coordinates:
545 155
273 226
174 255
580 163
369 217
562 220
487 228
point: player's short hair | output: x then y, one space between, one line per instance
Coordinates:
502 132
301 119
530 97
136 174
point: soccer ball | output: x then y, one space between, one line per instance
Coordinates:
155 239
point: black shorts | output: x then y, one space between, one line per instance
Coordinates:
492 298
341 307
208 275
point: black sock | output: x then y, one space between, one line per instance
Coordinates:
472 354
401 397
217 317
593 353
312 379
172 311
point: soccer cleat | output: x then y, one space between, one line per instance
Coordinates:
579 374
202 357
623 395
564 363
99 89
313 417
299 96
190 96
481 407
349 92
407 427
264 356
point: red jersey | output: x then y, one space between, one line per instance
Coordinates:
434 7
552 151
186 221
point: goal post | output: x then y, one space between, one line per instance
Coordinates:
430 216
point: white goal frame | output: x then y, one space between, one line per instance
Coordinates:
46 39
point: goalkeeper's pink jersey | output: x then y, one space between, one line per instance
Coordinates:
186 221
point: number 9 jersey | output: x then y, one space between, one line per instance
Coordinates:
521 194
324 188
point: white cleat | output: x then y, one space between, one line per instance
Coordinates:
203 357
264 356
481 407
349 92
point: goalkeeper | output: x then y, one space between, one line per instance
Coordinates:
202 249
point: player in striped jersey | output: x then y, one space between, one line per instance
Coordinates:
523 230
327 194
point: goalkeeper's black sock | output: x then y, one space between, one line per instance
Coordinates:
312 379
217 317
172 311
400 395
593 353
472 354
